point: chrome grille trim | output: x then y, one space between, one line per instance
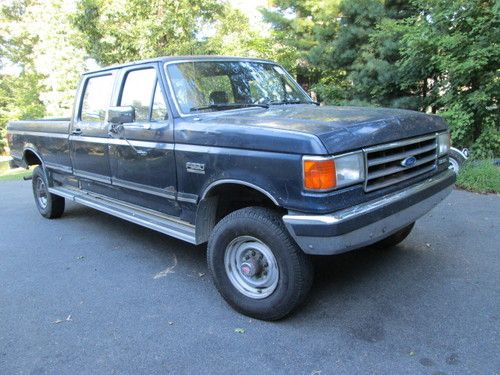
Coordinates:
383 162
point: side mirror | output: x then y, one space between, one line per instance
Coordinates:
121 115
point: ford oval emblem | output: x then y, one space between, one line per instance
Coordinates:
409 161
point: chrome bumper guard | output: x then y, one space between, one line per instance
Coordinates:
368 222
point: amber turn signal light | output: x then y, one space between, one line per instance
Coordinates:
319 174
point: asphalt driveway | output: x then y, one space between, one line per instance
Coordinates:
92 294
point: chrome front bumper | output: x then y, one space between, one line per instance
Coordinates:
368 222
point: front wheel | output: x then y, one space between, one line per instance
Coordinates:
50 206
256 265
456 160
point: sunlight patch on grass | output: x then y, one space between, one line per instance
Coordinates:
480 177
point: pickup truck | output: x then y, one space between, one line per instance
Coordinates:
233 152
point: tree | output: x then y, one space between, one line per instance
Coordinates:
453 45
233 35
299 29
114 31
19 89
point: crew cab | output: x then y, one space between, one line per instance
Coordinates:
233 152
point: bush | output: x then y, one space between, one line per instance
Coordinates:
480 177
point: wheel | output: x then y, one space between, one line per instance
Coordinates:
395 238
49 205
456 160
256 266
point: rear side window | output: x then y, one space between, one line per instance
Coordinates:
96 98
138 92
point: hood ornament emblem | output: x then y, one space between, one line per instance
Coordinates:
409 161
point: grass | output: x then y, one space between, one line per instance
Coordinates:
480 177
14 174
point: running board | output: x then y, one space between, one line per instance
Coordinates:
146 218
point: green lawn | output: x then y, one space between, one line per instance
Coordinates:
480 177
14 174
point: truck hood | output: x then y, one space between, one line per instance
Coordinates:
340 129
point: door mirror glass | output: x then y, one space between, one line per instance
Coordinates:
121 115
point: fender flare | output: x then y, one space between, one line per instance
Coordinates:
34 151
238 182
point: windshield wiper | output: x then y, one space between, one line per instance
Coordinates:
220 107
292 102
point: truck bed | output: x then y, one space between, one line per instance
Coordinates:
48 139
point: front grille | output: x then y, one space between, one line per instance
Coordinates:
384 163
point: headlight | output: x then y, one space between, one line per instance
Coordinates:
443 140
327 173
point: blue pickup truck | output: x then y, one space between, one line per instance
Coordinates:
231 151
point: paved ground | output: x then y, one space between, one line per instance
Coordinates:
86 295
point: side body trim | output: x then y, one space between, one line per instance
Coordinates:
59 167
92 176
143 188
39 134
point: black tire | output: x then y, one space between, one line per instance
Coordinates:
295 270
52 207
394 239
456 160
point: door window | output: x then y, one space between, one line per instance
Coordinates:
138 92
96 98
159 111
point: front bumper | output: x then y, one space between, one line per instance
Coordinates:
368 222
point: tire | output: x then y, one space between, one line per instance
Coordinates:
394 239
456 160
274 284
49 205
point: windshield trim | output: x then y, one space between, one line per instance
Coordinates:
223 59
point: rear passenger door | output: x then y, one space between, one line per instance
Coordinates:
142 152
89 131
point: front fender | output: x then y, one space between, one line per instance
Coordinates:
277 175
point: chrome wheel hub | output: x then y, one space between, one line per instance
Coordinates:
251 267
454 165
41 192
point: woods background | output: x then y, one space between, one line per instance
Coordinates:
438 56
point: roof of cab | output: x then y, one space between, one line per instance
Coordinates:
177 58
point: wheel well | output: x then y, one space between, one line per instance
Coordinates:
30 158
232 197
223 199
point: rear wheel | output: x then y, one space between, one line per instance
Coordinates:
394 239
49 205
256 265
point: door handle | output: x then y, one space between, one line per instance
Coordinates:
77 131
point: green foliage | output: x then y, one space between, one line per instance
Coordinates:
439 56
19 100
15 174
113 31
234 36
298 29
480 177
451 48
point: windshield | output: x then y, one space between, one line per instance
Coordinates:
219 85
